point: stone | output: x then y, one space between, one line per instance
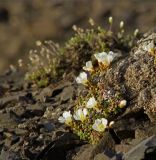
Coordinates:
6 121
67 93
104 149
35 110
101 156
138 151
59 148
48 126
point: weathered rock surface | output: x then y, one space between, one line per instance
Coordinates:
135 77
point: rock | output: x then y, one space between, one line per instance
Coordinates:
46 92
59 88
20 132
101 156
123 148
9 155
49 113
7 122
58 149
18 112
26 99
50 93
145 131
138 152
85 152
10 98
146 98
67 93
48 126
106 146
35 110
136 73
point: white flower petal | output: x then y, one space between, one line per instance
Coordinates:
85 111
61 119
89 66
100 124
95 127
76 117
82 78
78 80
110 57
65 118
105 58
91 103
101 56
67 114
97 121
80 114
104 121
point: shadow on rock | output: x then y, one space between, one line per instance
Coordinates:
59 148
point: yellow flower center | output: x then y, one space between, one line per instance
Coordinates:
101 127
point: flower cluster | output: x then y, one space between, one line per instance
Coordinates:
92 112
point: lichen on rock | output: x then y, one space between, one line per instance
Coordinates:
135 76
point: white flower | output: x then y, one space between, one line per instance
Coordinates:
65 118
91 103
105 58
101 56
81 114
149 47
122 103
89 66
100 124
82 78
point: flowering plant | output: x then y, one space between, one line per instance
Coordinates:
93 111
90 117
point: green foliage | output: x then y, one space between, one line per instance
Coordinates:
85 43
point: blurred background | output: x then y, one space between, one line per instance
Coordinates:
22 22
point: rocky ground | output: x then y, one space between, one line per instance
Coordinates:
29 127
